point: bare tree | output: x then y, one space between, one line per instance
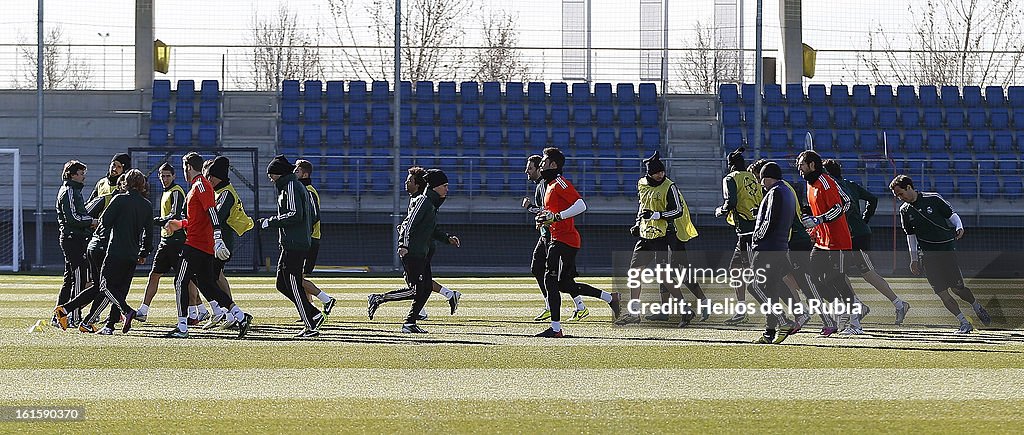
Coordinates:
954 42
500 61
432 31
282 50
703 67
61 68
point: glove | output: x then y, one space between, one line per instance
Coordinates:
635 231
220 250
650 214
264 223
810 221
547 217
719 212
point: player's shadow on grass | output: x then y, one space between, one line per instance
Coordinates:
334 334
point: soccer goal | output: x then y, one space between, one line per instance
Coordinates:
12 248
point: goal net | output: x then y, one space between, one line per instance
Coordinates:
12 248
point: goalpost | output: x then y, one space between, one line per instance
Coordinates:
12 248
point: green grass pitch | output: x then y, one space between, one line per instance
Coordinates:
482 371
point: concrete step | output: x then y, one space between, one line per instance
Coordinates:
692 106
692 129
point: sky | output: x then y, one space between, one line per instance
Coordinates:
203 32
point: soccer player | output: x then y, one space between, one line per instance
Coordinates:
831 234
933 227
203 243
742 194
168 252
105 187
415 185
561 204
293 222
534 206
230 211
75 228
417 234
659 204
303 170
129 217
860 233
770 243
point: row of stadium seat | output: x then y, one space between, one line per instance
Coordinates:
469 92
885 117
188 129
872 141
186 90
470 183
491 114
925 95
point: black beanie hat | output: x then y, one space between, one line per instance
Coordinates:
436 177
219 168
736 161
124 158
280 166
771 170
654 164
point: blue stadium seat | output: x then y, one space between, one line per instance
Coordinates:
982 142
158 135
977 118
182 135
605 138
493 138
603 93
536 93
538 138
581 93
424 91
883 95
1002 141
887 117
816 95
728 94
989 185
380 91
730 116
954 118
448 137
986 163
356 91
649 117
912 141
447 114
846 140
865 117
628 139
861 95
380 138
581 116
774 117
820 117
207 135
335 137
584 139
999 118
608 184
516 138
514 92
932 118
843 117
425 136
1018 118
492 114
647 93
869 141
651 138
797 117
950 96
186 90
560 116
357 139
972 96
494 183
891 138
335 91
1015 96
313 91
778 139
994 96
470 114
967 186
514 114
794 93
773 94
492 92
748 92
311 112
335 113
446 92
208 112
406 114
184 111
936 141
537 115
732 138
905 96
425 114
559 93
605 116
161 90
160 113
910 117
626 115
470 138
963 163
839 95
958 141
209 90
380 114
469 92
1013 188
311 136
560 137
357 113
928 95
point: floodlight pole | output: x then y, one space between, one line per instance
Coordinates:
396 135
39 138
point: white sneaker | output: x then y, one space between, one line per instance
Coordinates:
105 331
215 320
965 328
852 330
229 321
